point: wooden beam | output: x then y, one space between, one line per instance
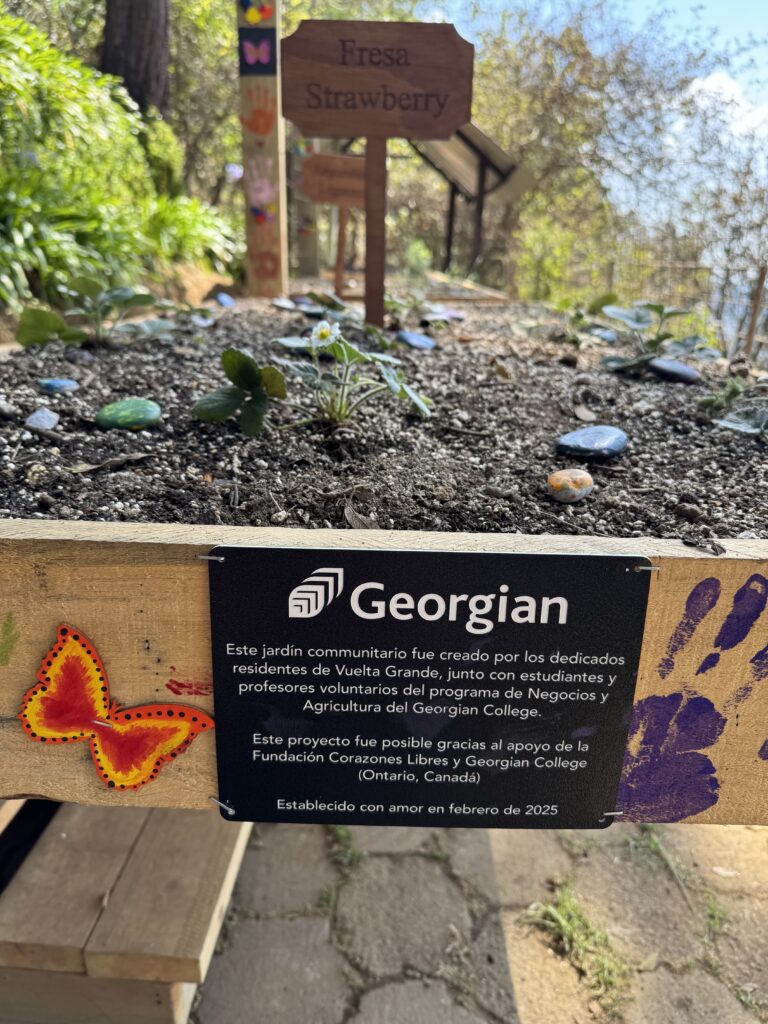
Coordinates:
477 240
450 227
341 245
141 593
375 229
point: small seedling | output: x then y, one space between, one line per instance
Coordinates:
342 385
248 397
647 323
100 308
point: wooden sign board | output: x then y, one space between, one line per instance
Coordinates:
380 80
697 748
334 179
377 79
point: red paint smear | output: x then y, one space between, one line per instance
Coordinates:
202 688
127 751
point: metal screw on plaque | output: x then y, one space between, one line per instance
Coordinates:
225 807
644 568
610 814
212 558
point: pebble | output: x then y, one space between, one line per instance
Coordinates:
642 408
285 304
42 419
598 442
569 485
79 355
128 414
416 340
57 385
675 371
225 299
202 321
7 411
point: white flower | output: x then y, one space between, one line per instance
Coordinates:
324 333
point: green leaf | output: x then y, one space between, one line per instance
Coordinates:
273 382
598 305
294 342
118 296
327 299
418 401
637 319
87 287
253 413
218 405
346 352
241 369
39 326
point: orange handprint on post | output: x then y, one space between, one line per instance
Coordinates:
261 118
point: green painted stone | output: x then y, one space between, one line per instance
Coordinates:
129 414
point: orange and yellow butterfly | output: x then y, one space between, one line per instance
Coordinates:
70 703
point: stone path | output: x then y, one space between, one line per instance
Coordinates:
423 926
362 925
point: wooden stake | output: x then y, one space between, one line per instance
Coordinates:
757 301
375 228
341 245
264 172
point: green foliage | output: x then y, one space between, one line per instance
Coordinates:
341 384
38 326
71 173
646 323
727 396
248 396
164 154
188 230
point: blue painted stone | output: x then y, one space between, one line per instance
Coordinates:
225 300
599 442
603 333
673 370
285 304
57 385
416 340
42 419
202 321
128 414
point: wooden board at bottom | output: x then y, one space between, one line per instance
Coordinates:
52 997
8 811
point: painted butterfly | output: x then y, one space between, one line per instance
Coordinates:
70 703
254 54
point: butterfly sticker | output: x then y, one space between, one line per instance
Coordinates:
257 53
70 703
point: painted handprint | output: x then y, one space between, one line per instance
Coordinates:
261 189
666 775
260 119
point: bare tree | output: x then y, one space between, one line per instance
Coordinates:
136 49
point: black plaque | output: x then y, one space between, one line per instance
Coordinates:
423 688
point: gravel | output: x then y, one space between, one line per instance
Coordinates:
502 398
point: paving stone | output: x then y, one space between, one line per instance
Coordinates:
276 972
287 872
525 860
693 997
742 946
611 884
413 1002
393 838
469 851
491 978
400 912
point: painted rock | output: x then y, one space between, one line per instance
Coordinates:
225 299
129 414
78 355
415 340
569 485
284 304
57 385
598 442
201 321
42 419
675 371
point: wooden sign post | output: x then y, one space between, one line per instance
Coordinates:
338 181
264 174
380 80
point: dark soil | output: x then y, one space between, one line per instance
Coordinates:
502 397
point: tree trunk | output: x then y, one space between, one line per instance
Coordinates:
136 41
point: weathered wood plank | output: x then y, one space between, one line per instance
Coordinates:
50 997
54 900
141 594
8 811
165 913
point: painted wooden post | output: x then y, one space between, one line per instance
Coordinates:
264 175
377 80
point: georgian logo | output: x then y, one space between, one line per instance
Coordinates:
315 593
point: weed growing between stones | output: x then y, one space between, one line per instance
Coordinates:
587 947
344 853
